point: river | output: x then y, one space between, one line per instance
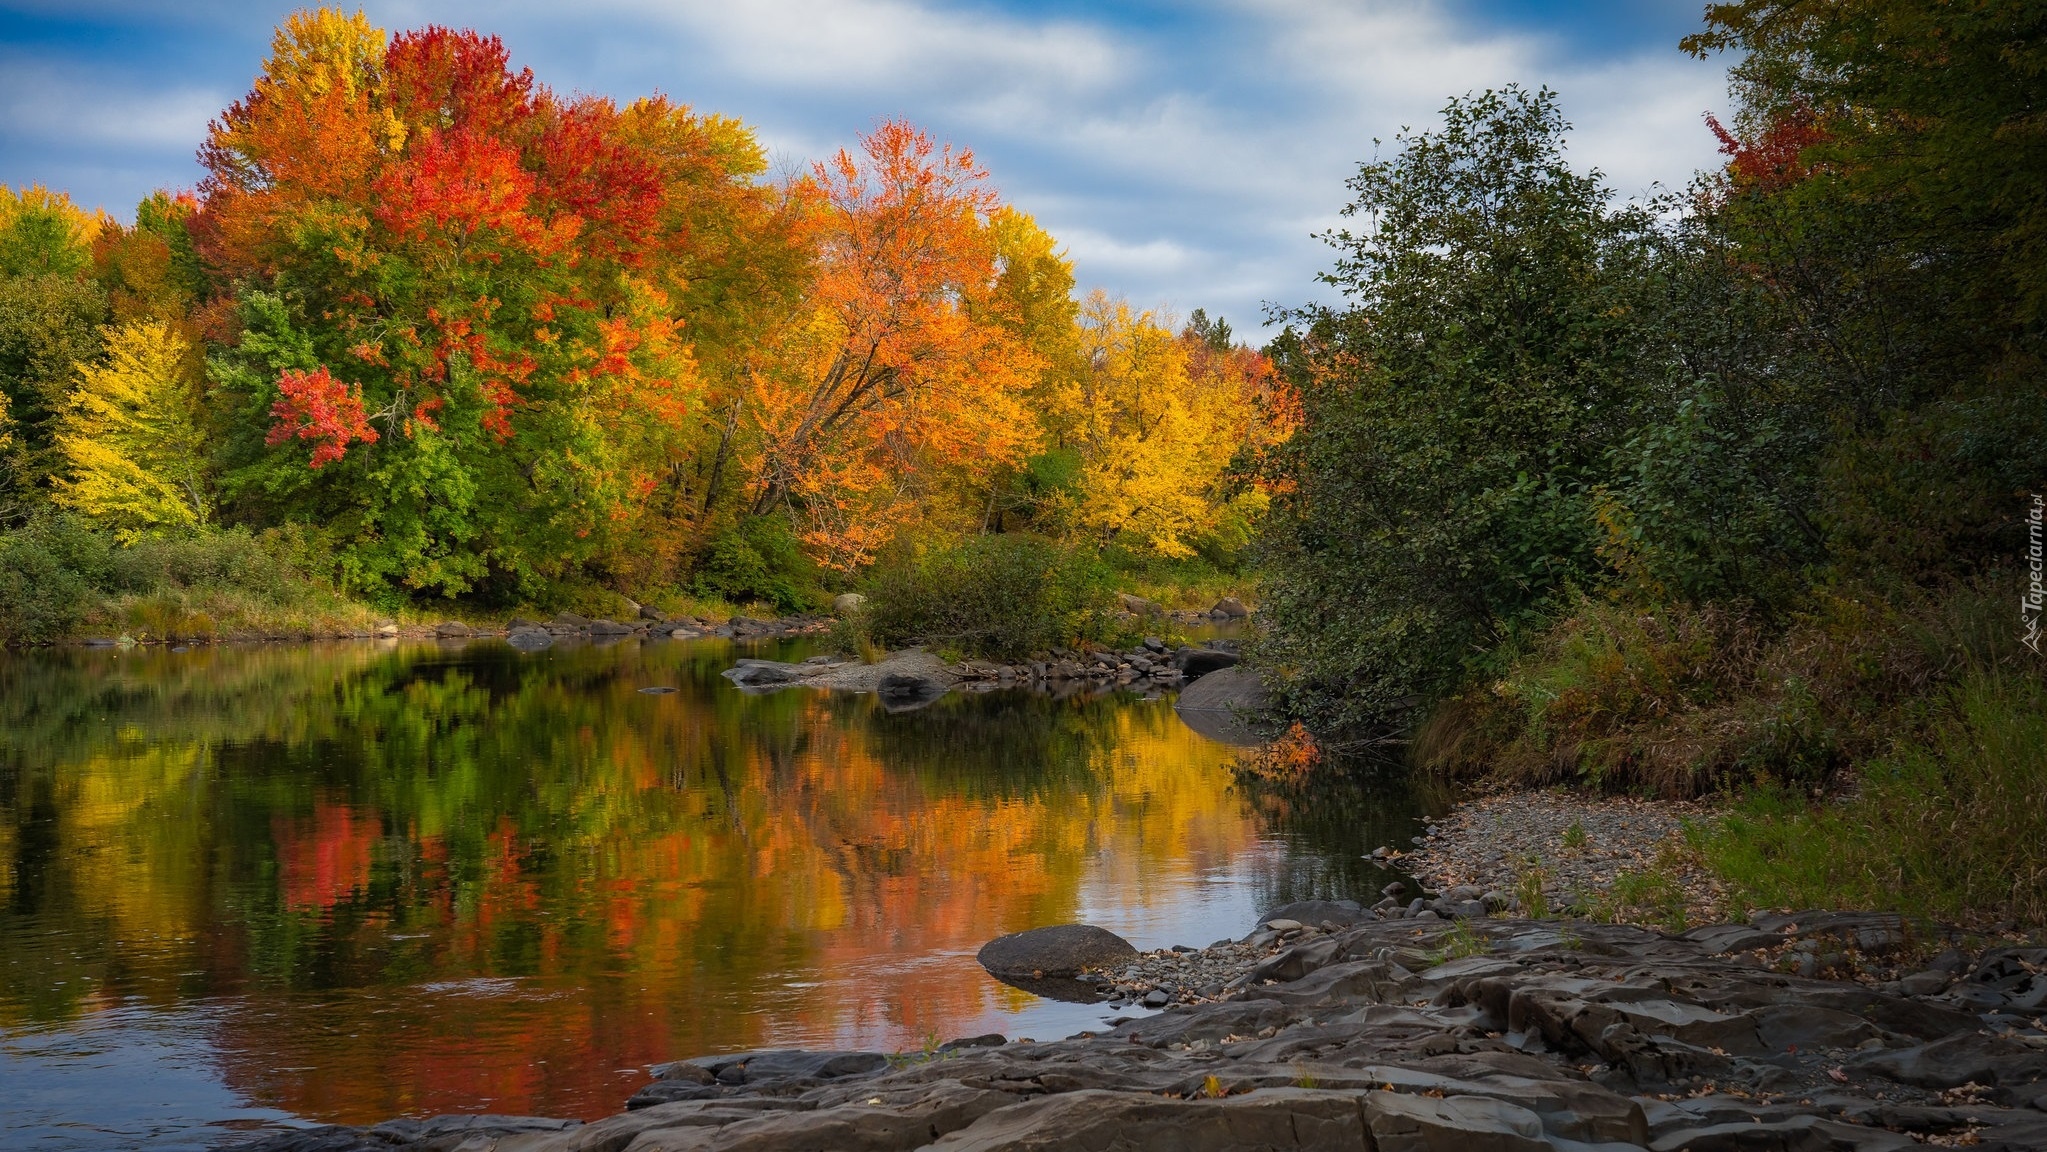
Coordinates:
244 886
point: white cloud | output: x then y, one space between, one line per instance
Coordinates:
76 107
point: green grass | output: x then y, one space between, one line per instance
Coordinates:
1950 826
1458 943
1529 881
1651 895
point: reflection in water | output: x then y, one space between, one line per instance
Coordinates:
356 881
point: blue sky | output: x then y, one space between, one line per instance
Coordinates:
1184 153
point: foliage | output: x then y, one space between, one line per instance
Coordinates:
49 324
42 233
1948 826
513 346
473 279
1457 413
60 575
1154 420
48 570
759 561
136 457
1002 596
896 368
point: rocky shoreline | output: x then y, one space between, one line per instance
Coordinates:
1407 1032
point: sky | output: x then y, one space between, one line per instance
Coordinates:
1184 154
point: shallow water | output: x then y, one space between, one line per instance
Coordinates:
244 886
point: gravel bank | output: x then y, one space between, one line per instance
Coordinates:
1575 847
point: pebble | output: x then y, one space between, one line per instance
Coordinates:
1489 845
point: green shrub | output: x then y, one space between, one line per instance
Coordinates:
1949 826
59 577
1001 596
758 561
47 575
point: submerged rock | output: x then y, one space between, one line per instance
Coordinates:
766 673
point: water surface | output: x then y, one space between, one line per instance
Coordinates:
244 886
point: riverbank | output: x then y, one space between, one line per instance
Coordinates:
1415 1032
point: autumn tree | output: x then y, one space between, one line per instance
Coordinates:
1156 417
900 367
135 455
50 316
497 275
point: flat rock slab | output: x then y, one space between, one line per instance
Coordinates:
1061 950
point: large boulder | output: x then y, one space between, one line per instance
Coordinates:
1136 604
847 603
1236 690
451 629
1061 950
1194 663
902 691
1229 608
1225 706
530 639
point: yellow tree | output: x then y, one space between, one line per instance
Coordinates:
134 451
1156 419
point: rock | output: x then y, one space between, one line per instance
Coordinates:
906 690
1224 705
765 673
1402 1123
649 612
1197 662
1098 1120
529 639
571 622
1229 608
1136 604
1284 924
769 1066
1581 1035
1319 912
451 628
387 630
609 628
1059 950
847 603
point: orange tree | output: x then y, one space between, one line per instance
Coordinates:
901 375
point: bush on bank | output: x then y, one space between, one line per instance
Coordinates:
1949 825
59 577
1001 596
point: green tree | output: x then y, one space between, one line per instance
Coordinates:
1458 411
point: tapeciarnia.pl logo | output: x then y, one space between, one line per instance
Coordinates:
2036 591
